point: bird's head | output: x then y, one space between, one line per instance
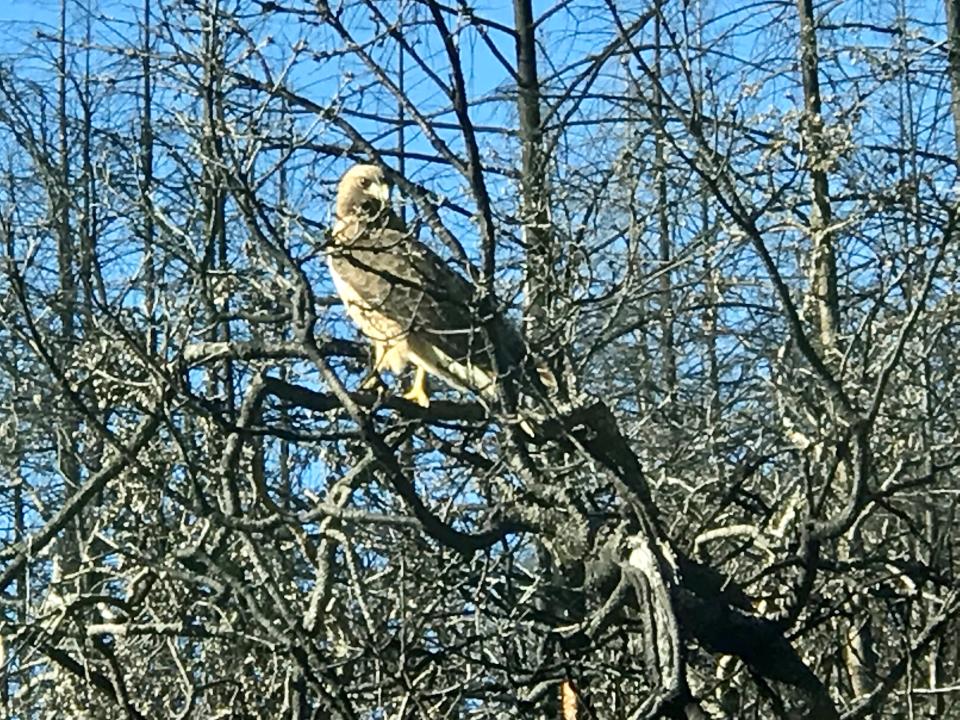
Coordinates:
363 191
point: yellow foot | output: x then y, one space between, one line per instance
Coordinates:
371 381
418 393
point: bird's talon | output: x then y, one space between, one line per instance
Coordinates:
372 381
418 396
418 391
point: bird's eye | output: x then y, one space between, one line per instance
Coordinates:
364 182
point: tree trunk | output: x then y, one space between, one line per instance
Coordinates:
953 65
533 191
823 281
537 241
668 354
59 193
215 237
146 183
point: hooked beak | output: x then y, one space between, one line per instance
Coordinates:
381 191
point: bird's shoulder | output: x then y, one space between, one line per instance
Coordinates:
397 249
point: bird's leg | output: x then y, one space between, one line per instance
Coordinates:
373 377
418 391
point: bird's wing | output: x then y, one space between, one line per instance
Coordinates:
407 282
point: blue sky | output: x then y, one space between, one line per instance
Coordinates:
28 12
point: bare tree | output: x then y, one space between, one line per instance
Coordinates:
731 235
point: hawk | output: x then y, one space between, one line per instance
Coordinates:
412 306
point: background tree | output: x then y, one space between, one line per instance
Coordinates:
730 231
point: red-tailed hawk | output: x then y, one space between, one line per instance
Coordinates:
412 305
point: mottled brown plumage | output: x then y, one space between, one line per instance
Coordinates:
412 305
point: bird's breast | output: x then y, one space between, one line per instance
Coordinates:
372 323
